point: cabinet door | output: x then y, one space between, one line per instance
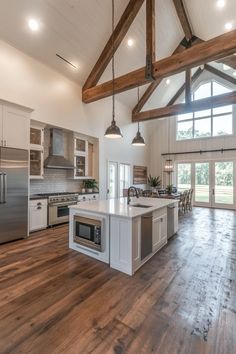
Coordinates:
16 128
164 228
136 241
156 234
38 217
36 164
1 125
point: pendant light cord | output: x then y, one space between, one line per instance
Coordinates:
138 102
112 63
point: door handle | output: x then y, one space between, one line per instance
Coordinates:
1 188
4 188
213 191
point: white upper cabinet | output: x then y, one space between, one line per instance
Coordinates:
15 127
1 127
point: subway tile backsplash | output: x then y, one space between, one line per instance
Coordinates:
55 181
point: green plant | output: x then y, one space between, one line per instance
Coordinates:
154 181
91 184
169 188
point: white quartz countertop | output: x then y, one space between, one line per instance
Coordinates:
119 207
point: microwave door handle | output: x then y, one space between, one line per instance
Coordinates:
1 188
5 188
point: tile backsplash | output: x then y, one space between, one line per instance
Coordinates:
55 181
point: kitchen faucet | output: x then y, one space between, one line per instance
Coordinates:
136 194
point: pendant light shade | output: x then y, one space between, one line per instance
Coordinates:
113 131
138 139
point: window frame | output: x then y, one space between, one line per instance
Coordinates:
212 116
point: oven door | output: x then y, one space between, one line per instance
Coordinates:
59 213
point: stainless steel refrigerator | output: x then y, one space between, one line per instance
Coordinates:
14 176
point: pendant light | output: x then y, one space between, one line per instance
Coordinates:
138 139
113 131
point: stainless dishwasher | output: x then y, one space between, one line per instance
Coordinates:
146 235
172 220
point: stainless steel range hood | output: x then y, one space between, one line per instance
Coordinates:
56 158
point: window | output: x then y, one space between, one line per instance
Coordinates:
125 173
209 122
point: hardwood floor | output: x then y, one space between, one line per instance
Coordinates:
55 300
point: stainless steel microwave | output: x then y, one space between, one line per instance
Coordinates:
88 232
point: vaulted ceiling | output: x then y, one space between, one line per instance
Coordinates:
79 29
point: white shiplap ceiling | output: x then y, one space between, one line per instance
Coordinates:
79 29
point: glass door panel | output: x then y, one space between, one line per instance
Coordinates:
112 188
183 176
202 183
223 187
125 178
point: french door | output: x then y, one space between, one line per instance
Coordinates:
213 182
118 179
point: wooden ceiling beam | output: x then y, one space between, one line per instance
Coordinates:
182 88
197 55
150 38
182 15
182 108
120 31
152 87
221 74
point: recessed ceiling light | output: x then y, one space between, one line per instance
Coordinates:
33 24
228 26
167 81
220 3
130 42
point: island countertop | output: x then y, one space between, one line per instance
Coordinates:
119 207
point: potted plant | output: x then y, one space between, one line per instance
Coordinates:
169 188
91 185
154 182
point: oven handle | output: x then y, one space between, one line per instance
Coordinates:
62 204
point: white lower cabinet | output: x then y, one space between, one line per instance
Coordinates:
38 211
121 244
159 229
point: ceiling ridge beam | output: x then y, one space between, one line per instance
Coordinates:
182 108
213 49
182 15
120 31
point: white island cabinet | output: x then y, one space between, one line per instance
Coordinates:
132 233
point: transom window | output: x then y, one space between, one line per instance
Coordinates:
208 123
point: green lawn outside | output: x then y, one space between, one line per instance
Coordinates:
223 194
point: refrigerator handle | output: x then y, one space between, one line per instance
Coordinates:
1 187
5 188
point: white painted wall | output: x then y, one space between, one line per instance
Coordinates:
163 140
57 101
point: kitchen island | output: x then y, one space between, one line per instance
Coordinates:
125 236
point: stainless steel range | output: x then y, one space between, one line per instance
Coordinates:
58 211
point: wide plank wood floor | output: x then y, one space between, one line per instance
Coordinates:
55 300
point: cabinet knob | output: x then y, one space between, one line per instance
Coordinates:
161 219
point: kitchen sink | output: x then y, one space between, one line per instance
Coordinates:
140 206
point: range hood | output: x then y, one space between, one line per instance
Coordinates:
56 158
